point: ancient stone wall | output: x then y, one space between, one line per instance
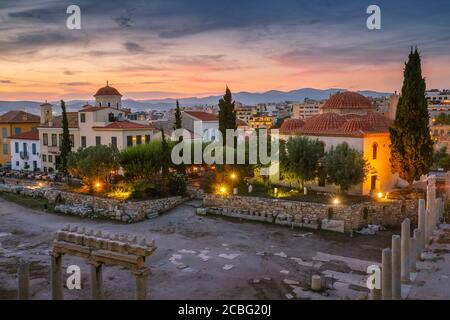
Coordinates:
98 207
389 213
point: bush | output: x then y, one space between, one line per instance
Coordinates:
208 182
143 189
177 184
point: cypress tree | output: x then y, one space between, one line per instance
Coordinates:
227 114
411 143
177 117
65 146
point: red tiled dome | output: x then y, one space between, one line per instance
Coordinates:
354 125
291 126
107 91
377 121
347 100
322 123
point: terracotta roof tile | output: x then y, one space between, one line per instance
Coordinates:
29 135
203 116
19 117
291 126
347 100
107 91
124 125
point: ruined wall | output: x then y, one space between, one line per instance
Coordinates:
389 213
98 207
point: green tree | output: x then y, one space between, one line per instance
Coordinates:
412 146
227 114
301 158
143 161
178 123
345 166
65 146
165 156
441 159
94 164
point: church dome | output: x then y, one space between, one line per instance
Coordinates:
107 91
347 100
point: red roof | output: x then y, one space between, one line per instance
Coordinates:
347 100
322 122
241 123
107 91
15 116
330 123
291 126
30 135
125 125
203 116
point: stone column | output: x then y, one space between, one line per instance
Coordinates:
386 274
413 253
141 283
405 251
96 281
418 236
24 281
431 200
56 277
422 223
396 268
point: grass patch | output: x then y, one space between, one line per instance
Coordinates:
29 202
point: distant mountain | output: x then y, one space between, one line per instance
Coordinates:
247 98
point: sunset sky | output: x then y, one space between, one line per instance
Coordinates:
179 48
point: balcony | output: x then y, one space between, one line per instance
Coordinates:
53 149
24 155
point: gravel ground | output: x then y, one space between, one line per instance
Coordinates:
197 257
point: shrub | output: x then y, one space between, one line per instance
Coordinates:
177 184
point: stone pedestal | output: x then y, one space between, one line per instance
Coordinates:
405 251
386 274
56 277
97 281
316 283
396 268
24 281
422 223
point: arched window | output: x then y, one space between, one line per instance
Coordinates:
374 151
109 104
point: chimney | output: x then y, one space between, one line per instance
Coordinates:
393 102
46 113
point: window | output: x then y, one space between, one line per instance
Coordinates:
17 131
129 141
83 141
82 117
25 148
374 151
17 163
109 104
45 139
50 158
54 139
44 158
34 164
138 139
147 138
72 140
16 147
98 140
33 148
114 141
4 133
5 148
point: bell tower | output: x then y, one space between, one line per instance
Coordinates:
46 113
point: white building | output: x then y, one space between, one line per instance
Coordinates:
25 151
207 124
105 123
